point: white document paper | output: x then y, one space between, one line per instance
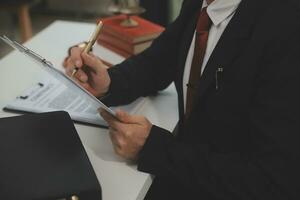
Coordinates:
57 92
49 94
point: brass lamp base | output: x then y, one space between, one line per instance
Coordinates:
129 22
129 8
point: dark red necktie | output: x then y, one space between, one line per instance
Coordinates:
202 30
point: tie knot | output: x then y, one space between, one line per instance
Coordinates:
204 22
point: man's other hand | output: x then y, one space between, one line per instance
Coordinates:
128 133
94 77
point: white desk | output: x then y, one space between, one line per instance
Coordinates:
119 180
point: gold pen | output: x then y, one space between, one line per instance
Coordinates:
90 43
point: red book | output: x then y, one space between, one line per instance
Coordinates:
124 45
145 31
115 49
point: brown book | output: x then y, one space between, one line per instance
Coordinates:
145 31
131 48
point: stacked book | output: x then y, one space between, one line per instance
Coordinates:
128 41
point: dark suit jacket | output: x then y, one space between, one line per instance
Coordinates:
241 141
157 11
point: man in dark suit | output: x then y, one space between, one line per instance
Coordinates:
239 116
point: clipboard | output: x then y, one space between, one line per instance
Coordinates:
48 66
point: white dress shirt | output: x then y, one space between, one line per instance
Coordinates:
220 13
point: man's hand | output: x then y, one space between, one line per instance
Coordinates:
96 79
128 133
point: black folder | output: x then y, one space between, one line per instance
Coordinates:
42 157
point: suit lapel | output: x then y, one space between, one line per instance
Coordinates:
191 9
232 43
185 46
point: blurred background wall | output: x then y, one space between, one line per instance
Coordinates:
159 11
15 15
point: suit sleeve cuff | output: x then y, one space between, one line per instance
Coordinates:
151 156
